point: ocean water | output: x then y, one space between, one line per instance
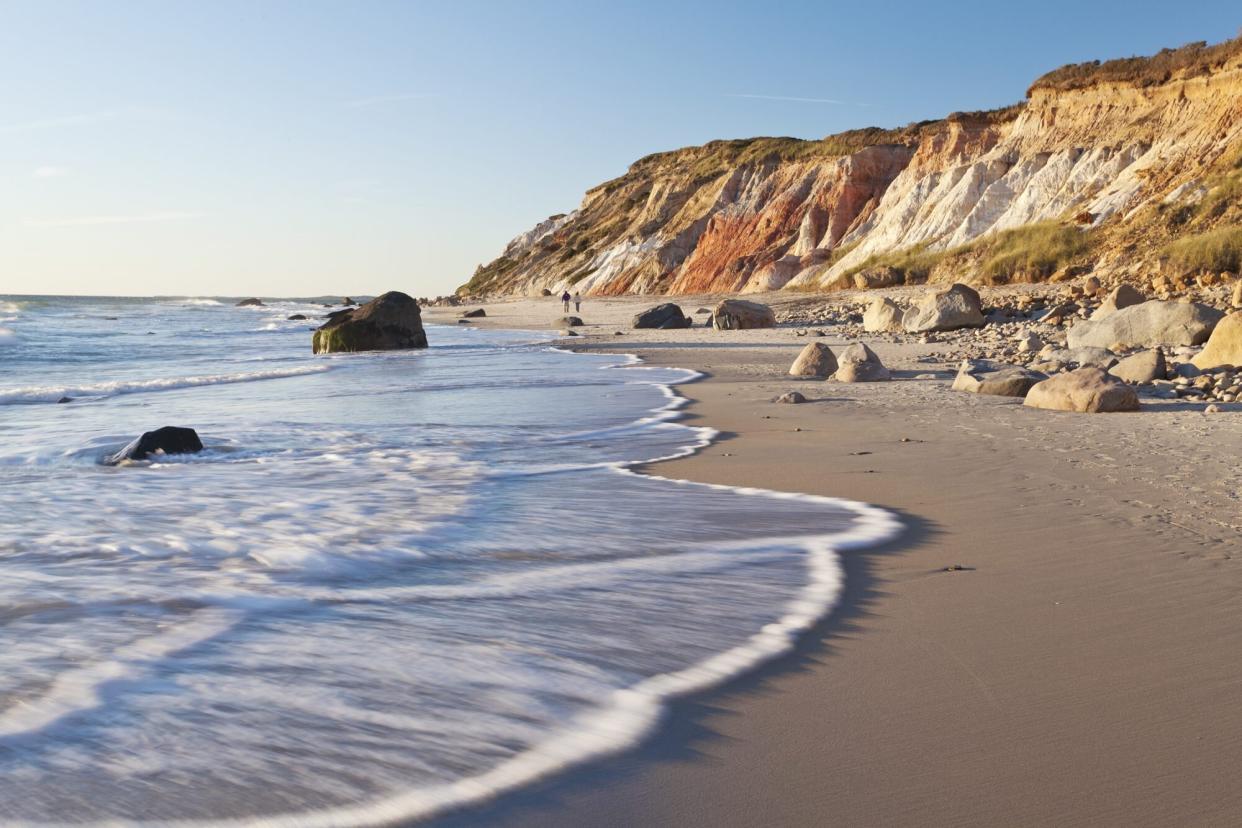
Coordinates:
392 583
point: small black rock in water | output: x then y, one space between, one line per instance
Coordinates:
250 303
65 400
166 440
297 317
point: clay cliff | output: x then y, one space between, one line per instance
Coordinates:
1126 167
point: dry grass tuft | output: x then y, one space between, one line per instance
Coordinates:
1038 249
1212 252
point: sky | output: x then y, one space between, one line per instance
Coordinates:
303 148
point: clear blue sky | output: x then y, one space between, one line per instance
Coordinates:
294 148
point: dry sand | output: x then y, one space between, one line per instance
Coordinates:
1082 669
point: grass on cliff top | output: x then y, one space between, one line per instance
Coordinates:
716 157
1213 251
1191 60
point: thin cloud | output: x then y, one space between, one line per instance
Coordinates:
50 171
87 221
377 100
90 118
64 121
789 98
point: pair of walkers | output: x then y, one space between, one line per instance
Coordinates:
576 299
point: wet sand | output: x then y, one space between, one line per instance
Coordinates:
1080 668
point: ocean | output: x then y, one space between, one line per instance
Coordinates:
392 583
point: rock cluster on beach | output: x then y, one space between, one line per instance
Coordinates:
388 322
981 376
1137 347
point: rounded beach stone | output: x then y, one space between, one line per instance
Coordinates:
1087 390
815 360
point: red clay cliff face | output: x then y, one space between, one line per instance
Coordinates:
786 219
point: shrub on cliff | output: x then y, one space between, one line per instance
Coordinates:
1189 61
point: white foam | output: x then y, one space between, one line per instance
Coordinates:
631 713
52 393
79 690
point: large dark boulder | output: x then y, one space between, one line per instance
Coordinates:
666 316
474 314
740 315
387 323
166 440
568 322
250 303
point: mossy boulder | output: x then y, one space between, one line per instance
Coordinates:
387 323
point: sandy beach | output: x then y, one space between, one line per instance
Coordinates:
1076 667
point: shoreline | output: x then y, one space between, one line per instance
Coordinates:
1077 670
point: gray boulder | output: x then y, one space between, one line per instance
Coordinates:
945 310
386 323
1083 356
791 398
1152 324
568 322
858 363
666 316
1142 368
883 315
983 376
1122 296
738 314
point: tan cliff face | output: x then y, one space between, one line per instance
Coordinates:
1091 148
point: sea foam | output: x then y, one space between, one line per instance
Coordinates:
469 584
52 393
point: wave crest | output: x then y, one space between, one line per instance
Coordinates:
52 393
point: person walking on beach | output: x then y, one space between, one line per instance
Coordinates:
565 299
577 302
